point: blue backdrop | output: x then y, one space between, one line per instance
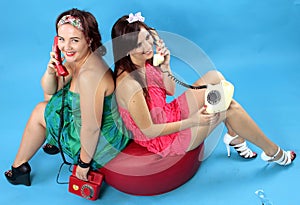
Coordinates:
256 45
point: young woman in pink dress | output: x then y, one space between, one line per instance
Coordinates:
182 125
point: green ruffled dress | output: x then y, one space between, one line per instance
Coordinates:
113 136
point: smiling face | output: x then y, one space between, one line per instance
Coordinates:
144 49
72 43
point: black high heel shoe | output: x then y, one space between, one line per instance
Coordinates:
19 175
51 149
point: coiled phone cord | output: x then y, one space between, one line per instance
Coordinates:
184 84
61 124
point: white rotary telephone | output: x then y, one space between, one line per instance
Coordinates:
218 97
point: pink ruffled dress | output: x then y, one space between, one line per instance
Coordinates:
161 112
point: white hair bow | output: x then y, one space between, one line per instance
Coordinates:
135 17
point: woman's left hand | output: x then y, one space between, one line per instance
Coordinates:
81 173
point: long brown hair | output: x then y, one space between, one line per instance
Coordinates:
90 28
124 39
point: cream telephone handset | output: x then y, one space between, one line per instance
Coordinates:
217 97
157 58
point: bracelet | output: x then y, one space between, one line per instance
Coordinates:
83 164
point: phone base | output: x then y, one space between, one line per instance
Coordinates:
218 97
87 189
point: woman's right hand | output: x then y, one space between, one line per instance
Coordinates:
82 173
51 69
203 118
50 83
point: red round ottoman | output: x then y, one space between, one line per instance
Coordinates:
137 171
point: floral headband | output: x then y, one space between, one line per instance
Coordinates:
135 17
74 21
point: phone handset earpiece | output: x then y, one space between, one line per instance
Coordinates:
157 58
61 69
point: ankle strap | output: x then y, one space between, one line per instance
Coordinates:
275 155
268 158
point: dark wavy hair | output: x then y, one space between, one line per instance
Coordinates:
89 25
124 39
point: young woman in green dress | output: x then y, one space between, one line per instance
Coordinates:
92 132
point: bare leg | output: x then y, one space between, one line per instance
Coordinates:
236 119
244 126
33 136
195 100
199 133
232 133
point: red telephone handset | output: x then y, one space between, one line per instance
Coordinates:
61 70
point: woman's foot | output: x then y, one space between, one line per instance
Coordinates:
51 149
240 145
19 175
281 157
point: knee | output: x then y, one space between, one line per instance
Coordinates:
215 76
41 106
219 76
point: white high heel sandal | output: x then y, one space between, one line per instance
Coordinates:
242 149
284 160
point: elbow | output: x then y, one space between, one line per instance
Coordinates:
148 134
171 92
170 89
48 89
151 132
91 130
48 92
